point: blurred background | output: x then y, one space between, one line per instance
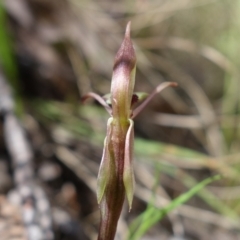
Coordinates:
54 52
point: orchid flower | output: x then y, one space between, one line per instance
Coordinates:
116 177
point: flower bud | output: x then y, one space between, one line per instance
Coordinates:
123 79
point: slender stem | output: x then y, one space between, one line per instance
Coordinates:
112 202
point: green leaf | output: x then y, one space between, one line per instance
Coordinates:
150 217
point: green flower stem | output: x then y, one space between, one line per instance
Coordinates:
114 194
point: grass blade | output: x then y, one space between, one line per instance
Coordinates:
153 215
